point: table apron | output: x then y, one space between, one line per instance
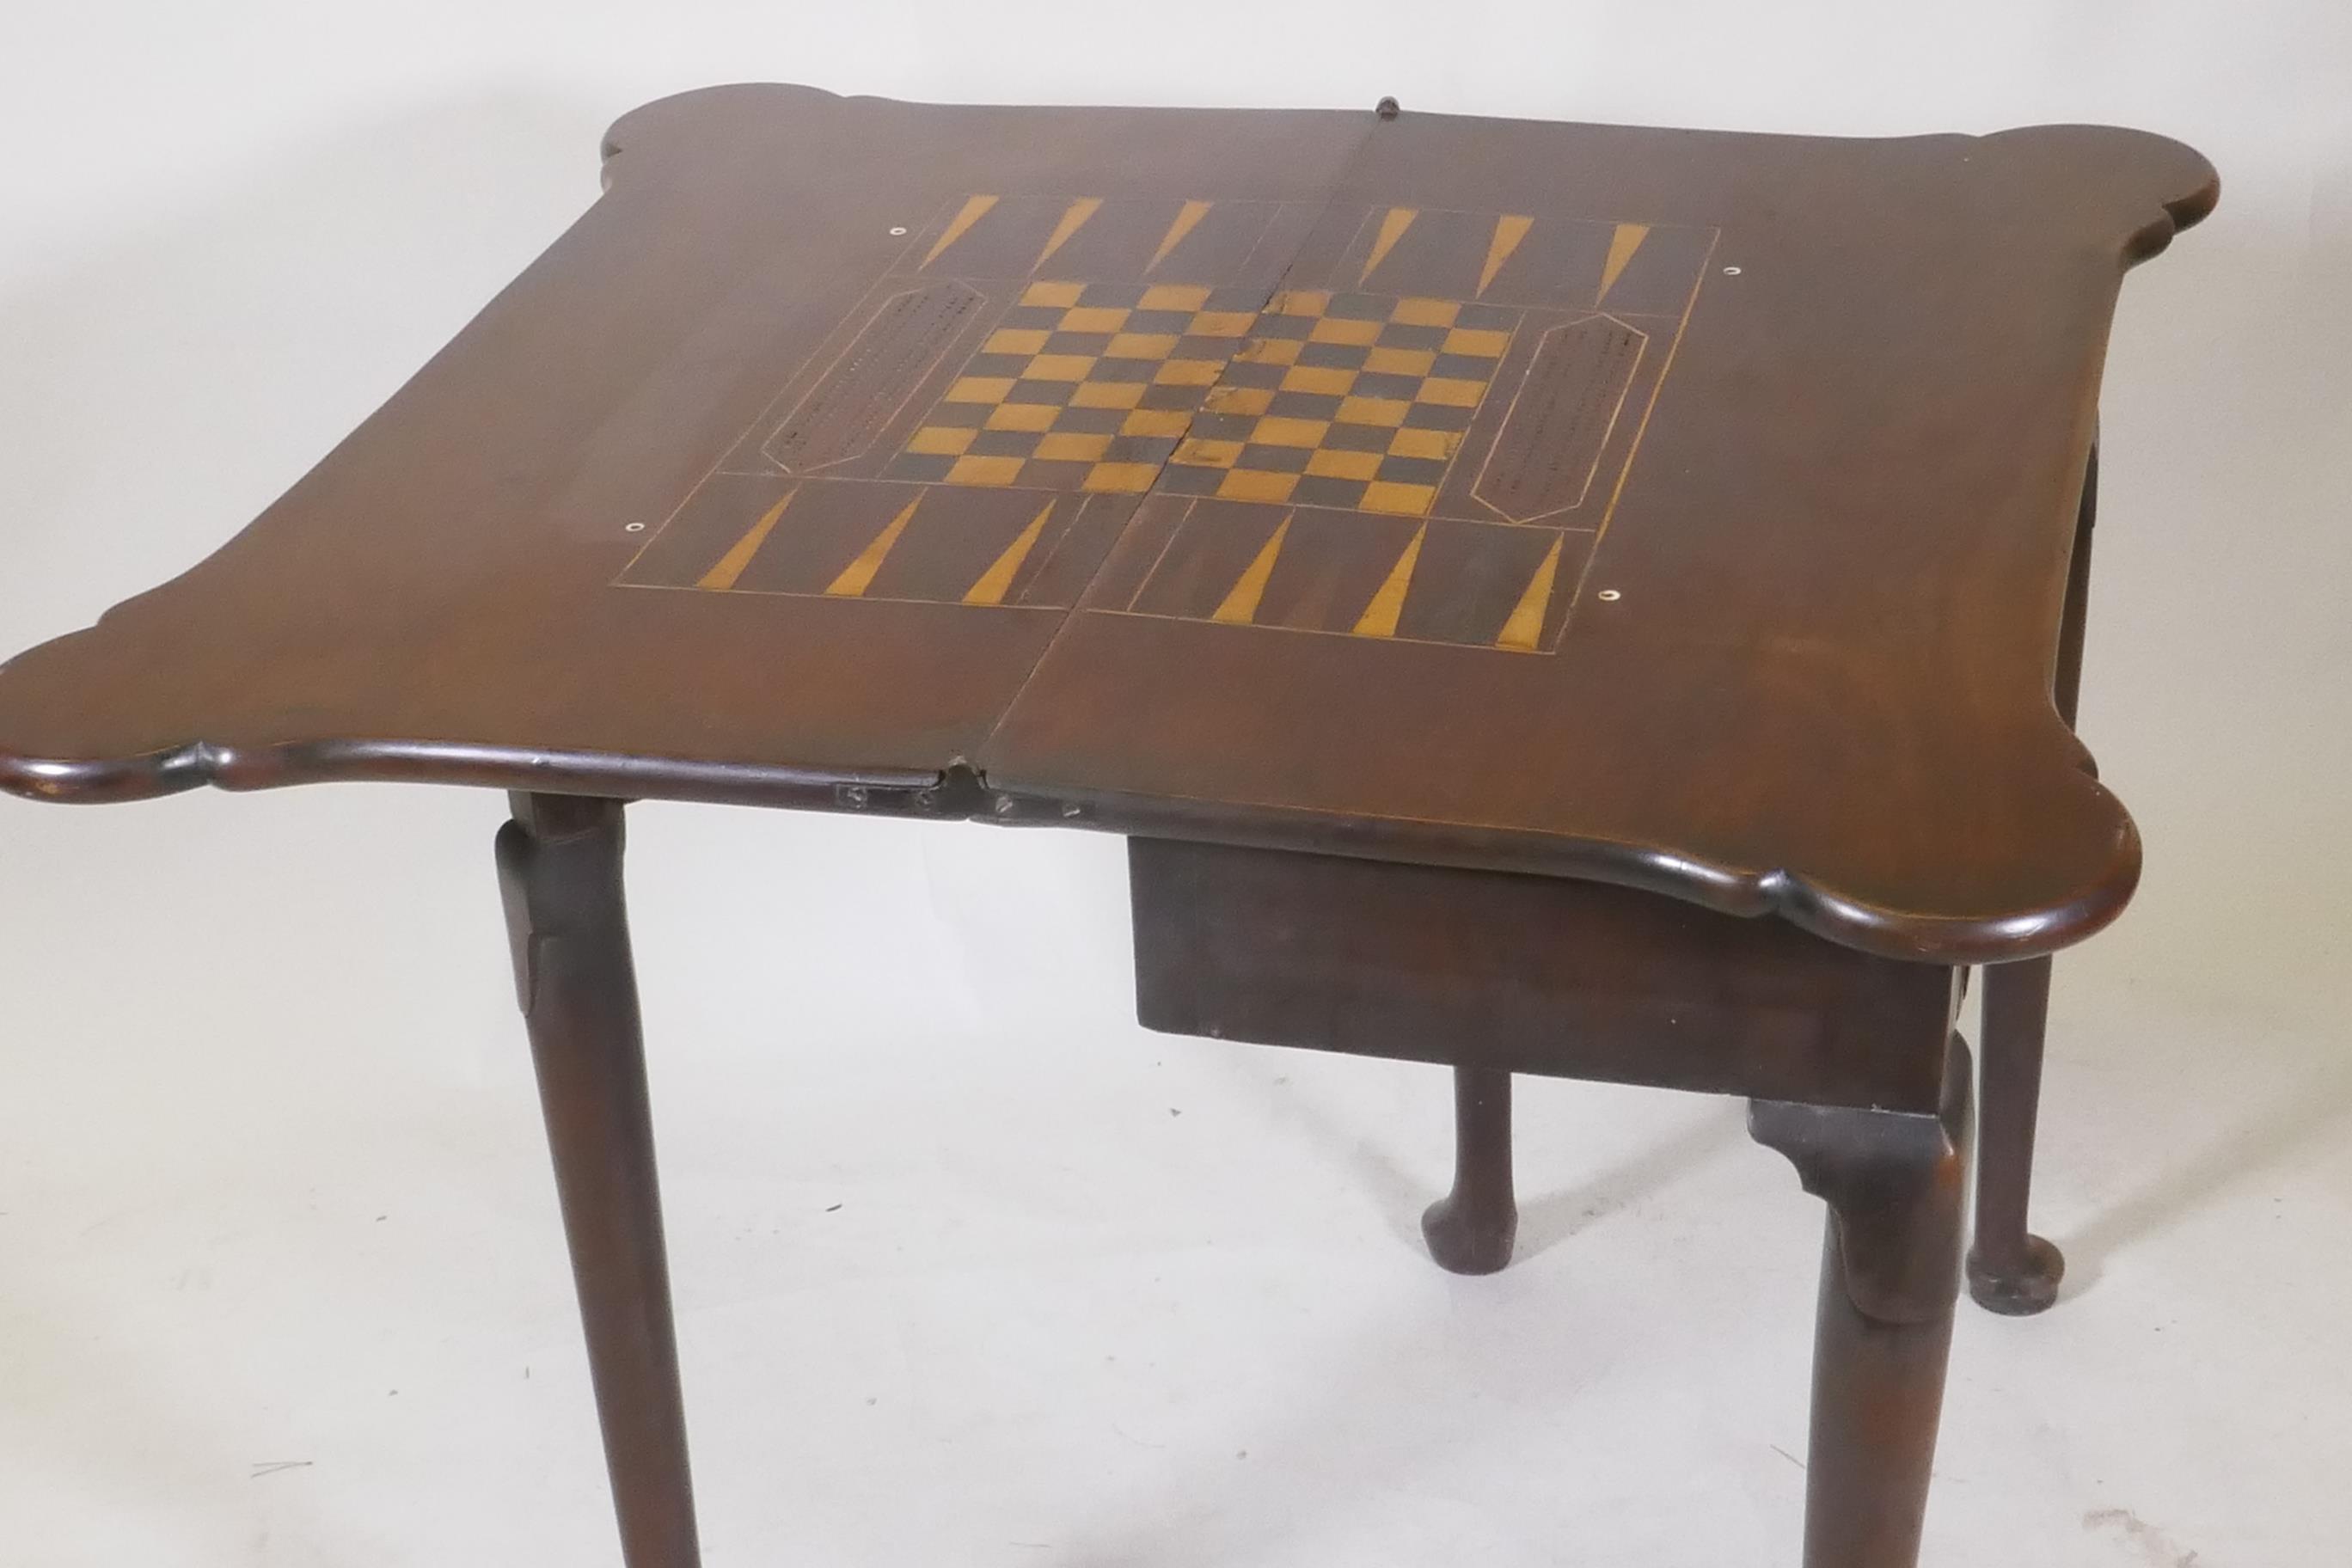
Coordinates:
1532 974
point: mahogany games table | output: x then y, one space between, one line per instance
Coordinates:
1539 598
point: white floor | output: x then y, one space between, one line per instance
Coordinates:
970 1270
973 1270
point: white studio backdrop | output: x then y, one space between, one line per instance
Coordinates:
970 1268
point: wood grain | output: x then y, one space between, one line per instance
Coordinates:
1829 500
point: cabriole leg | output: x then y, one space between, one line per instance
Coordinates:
1472 1228
560 871
2011 1270
1895 1184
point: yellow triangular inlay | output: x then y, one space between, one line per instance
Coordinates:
974 209
1074 218
739 555
1524 627
1509 229
997 581
858 575
1187 219
1622 247
1380 617
1392 228
1240 607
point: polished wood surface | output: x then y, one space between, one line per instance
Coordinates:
2011 1270
1482 565
1512 973
560 874
1473 1229
1854 1073
1684 510
1896 1185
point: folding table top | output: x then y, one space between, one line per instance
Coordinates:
1679 509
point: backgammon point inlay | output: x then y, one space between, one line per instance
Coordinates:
1203 359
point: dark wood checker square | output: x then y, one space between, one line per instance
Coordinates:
1080 386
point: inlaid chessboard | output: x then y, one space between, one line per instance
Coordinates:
1678 508
1368 421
